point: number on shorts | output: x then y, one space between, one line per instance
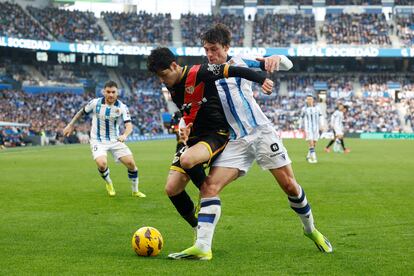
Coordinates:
95 147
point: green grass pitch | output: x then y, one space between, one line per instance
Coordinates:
56 218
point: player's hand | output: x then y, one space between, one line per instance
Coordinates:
122 138
271 63
67 131
267 86
184 132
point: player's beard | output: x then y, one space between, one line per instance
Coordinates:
110 100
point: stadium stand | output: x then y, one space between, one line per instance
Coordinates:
405 29
68 25
356 29
140 27
282 30
193 25
365 85
404 2
352 2
15 22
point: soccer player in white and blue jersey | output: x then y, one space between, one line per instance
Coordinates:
107 114
337 124
310 117
252 138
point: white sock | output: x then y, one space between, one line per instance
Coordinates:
133 177
105 175
302 208
208 217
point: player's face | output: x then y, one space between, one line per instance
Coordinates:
216 53
309 101
169 76
111 94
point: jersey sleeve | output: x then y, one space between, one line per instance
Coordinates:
89 107
254 64
285 63
126 117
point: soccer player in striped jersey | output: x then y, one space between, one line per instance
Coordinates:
252 137
107 113
192 89
337 124
310 117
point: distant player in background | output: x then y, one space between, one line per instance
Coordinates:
337 124
310 117
107 114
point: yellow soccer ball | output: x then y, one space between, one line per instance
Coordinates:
147 241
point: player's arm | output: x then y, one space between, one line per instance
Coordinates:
212 72
251 75
85 110
127 132
67 131
275 63
302 119
270 64
126 117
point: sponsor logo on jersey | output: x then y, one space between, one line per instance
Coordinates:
189 90
214 68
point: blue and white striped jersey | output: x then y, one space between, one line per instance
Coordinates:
106 119
310 118
241 109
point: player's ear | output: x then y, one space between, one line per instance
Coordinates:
226 48
173 65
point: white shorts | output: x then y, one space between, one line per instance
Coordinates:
117 149
262 145
339 131
312 135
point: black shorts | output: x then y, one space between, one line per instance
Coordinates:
215 142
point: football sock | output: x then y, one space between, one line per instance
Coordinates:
208 217
330 143
302 208
197 174
185 207
133 177
342 143
312 153
105 175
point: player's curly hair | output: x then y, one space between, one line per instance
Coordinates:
160 59
220 33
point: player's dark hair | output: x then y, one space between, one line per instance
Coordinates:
160 59
110 83
218 34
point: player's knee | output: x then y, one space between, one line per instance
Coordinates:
186 161
171 189
209 189
102 166
291 188
131 165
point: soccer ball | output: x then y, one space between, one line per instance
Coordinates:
147 241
